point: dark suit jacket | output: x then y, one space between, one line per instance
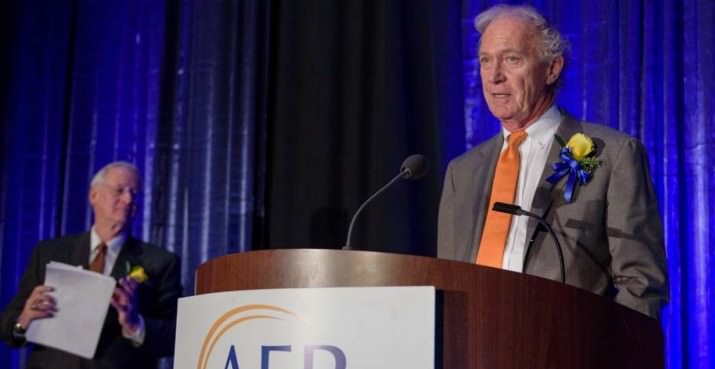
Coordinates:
611 231
157 304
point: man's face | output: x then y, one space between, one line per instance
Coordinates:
113 199
514 76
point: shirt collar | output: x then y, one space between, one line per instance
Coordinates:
113 246
543 129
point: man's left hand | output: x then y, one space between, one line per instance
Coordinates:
124 300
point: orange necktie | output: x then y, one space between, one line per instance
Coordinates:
496 227
97 264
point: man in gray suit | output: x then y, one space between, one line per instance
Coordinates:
599 200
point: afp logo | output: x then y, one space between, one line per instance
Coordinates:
261 336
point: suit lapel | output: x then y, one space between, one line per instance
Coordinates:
544 196
80 251
128 257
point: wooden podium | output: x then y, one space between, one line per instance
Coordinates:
487 318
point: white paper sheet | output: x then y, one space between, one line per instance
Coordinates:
82 298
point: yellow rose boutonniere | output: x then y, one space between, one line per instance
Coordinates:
580 145
577 163
137 273
583 149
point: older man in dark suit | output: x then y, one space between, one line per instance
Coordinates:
139 327
598 198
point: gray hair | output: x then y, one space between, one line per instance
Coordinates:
99 176
552 43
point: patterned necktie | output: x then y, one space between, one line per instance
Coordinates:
97 264
496 227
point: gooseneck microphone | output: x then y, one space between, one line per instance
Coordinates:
516 210
414 167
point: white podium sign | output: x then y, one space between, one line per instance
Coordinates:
308 328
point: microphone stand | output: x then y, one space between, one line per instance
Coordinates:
517 210
414 167
381 190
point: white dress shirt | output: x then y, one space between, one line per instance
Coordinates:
534 152
114 246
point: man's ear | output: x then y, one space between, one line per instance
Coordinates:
92 196
554 70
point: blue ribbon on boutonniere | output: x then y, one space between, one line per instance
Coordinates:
569 166
577 162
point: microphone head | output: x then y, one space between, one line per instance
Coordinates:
507 208
414 167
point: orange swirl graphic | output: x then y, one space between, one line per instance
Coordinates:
214 334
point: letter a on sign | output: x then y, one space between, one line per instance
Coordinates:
232 359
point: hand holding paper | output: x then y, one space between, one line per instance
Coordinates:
39 305
82 300
124 299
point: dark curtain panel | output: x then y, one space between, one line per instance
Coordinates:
353 94
265 124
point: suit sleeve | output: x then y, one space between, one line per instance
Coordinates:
31 278
445 222
635 234
161 323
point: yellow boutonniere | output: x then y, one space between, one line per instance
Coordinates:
577 163
583 149
138 274
581 146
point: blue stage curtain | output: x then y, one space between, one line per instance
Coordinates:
645 68
176 87
181 88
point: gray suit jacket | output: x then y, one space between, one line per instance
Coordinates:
610 233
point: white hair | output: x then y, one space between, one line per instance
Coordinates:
552 45
99 176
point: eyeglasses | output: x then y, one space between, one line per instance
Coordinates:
119 191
